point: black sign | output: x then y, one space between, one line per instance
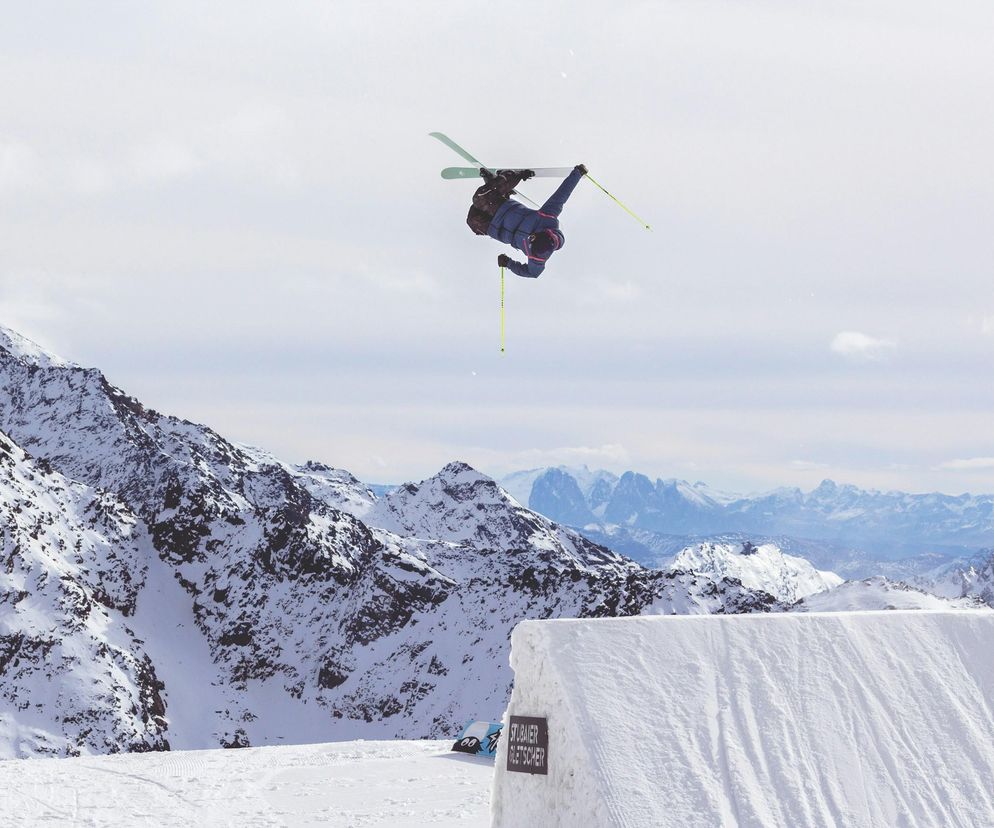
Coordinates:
528 745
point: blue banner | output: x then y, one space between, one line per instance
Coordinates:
479 739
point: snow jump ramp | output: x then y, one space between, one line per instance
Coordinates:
834 719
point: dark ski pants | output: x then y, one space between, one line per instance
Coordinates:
488 199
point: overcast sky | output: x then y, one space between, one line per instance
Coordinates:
234 210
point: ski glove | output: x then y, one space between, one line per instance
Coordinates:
581 168
526 174
504 260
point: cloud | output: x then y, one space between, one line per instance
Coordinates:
19 167
393 281
27 298
807 465
855 345
607 456
42 305
968 464
296 198
599 291
162 160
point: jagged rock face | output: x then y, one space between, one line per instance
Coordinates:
460 505
895 521
632 500
73 677
600 495
973 578
978 579
319 611
221 514
95 433
663 506
558 495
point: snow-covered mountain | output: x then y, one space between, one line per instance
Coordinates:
859 524
879 593
464 506
594 486
73 561
246 600
962 579
764 567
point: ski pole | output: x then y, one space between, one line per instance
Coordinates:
640 221
502 310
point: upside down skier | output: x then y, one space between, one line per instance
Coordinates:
535 233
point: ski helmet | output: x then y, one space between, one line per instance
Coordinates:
543 243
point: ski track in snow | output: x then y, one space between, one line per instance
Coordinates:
338 784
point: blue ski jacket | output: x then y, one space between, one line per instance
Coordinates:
513 223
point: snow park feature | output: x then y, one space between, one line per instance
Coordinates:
854 719
479 739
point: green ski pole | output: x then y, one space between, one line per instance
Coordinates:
640 221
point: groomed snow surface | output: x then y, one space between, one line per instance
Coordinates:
822 719
404 784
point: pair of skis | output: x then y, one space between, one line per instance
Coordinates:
474 172
470 172
540 172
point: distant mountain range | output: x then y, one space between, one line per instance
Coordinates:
162 587
840 527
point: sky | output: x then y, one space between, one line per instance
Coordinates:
234 210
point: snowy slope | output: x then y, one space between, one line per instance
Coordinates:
402 784
855 719
74 678
460 505
974 577
762 567
879 593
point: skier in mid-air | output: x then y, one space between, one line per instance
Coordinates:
535 233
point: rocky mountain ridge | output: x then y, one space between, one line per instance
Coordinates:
848 525
762 566
73 562
269 601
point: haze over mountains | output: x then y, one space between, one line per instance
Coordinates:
852 531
